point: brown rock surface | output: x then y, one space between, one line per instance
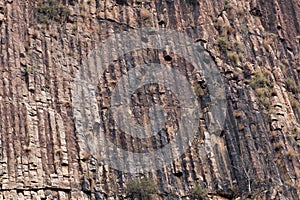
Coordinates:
253 42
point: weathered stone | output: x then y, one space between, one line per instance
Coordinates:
44 156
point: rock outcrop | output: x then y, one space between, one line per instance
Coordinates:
255 45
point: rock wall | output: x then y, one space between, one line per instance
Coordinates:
255 44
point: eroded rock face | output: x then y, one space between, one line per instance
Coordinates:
255 45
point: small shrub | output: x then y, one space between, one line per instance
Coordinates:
291 153
295 104
141 189
269 40
234 57
148 23
74 27
227 5
223 44
198 192
262 86
265 101
283 68
244 29
291 85
262 91
198 90
263 96
260 80
49 11
29 69
64 12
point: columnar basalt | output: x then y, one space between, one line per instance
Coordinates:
255 45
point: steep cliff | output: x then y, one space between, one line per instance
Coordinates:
255 45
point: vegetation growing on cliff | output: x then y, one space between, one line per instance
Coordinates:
198 192
141 189
262 86
51 10
223 44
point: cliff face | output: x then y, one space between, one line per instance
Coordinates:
255 45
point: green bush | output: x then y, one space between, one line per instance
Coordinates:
227 5
260 80
223 44
262 86
140 189
198 192
295 104
233 57
50 10
291 85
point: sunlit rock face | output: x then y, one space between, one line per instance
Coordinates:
162 99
